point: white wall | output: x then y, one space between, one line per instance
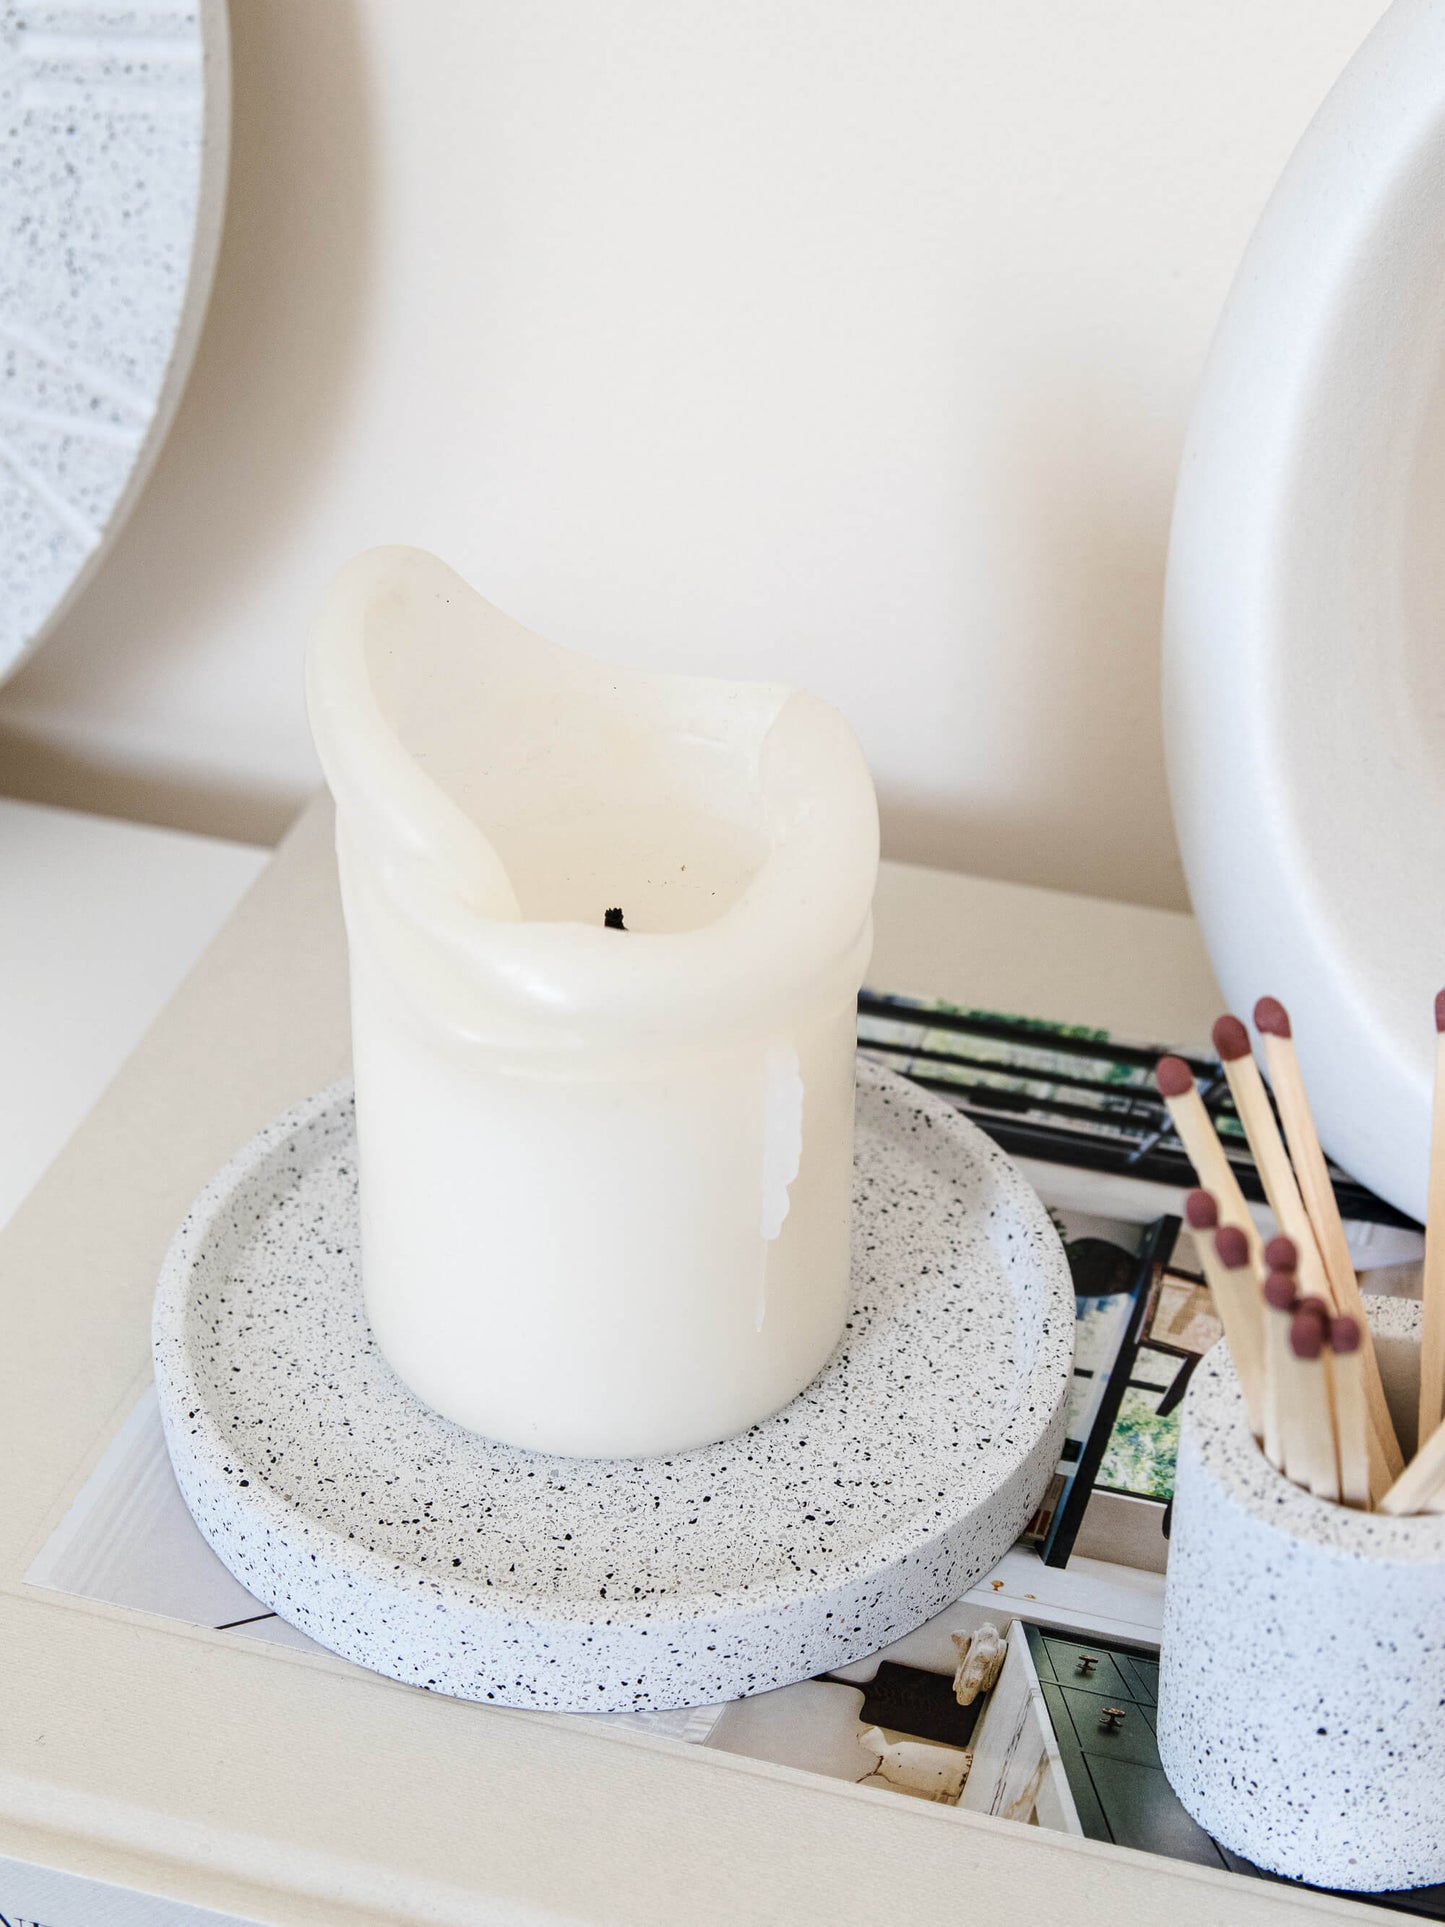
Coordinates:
831 340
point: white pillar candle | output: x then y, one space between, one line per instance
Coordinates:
605 1175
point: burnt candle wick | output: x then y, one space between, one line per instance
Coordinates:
613 920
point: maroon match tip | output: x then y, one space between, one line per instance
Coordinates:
1316 1307
1280 1253
1232 1247
1306 1334
1173 1076
1440 1010
1201 1211
1271 1017
1345 1333
1231 1039
1279 1291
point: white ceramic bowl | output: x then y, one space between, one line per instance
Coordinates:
1304 673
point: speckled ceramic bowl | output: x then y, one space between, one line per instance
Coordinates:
1302 1672
398 1539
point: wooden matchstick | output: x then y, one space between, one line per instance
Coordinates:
1205 1152
1319 1310
1318 1196
1251 1100
1420 1486
1432 1337
1237 1302
1309 1433
1351 1417
1279 1304
1271 1020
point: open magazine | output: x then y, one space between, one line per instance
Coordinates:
1032 1697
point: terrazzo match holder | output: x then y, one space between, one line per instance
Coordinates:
1302 1667
400 1540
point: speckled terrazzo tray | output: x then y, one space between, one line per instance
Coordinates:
898 1477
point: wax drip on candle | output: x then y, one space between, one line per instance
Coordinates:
782 1150
613 920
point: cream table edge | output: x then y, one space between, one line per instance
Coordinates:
295 1790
